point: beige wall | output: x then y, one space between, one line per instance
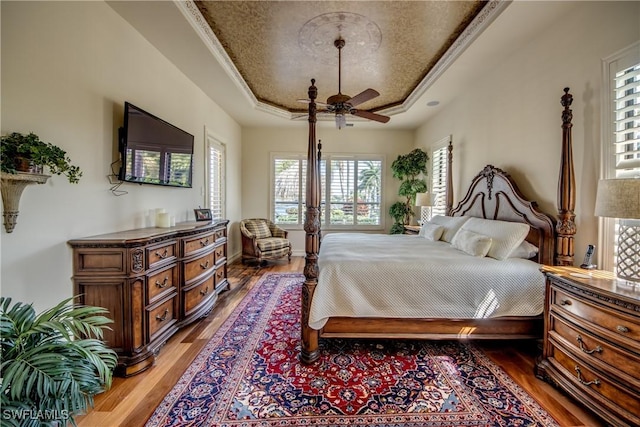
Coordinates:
67 68
511 116
259 143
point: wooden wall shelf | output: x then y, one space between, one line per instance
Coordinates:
12 187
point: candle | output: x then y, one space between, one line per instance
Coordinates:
159 211
162 220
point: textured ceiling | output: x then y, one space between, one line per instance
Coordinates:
391 46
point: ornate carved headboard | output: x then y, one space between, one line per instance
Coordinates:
493 195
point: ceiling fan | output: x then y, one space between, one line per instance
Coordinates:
341 104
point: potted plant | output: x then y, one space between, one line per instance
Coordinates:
21 152
411 168
52 363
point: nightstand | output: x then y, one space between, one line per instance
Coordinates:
591 344
411 229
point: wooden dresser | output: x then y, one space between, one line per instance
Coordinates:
153 281
592 341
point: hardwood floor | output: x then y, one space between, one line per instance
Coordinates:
131 401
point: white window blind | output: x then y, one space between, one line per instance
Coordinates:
621 135
288 189
352 186
439 177
627 122
354 191
215 188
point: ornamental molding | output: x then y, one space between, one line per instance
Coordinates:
486 16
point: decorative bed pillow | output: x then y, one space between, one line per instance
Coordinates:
506 236
451 225
526 250
431 232
474 244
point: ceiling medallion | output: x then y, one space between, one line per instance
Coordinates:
316 37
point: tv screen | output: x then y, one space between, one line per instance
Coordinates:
154 151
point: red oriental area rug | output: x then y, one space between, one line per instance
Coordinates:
249 375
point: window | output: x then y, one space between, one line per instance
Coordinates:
289 189
621 129
354 190
352 185
439 176
215 182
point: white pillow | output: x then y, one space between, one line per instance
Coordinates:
431 232
451 225
474 244
526 250
506 235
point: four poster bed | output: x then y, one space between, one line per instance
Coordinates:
354 288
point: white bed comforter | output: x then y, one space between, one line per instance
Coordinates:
378 275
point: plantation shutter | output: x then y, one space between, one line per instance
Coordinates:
216 154
620 137
288 190
627 122
439 178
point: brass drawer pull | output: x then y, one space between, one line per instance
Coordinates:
565 302
622 329
205 265
206 291
162 255
595 382
598 349
164 282
164 316
204 243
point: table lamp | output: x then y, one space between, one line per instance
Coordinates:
620 198
424 201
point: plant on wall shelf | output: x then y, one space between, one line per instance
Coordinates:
21 152
52 363
411 169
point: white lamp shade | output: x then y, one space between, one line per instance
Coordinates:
618 198
423 199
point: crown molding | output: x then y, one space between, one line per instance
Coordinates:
486 16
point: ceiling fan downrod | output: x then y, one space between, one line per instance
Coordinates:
339 43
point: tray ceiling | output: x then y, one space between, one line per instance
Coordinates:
274 48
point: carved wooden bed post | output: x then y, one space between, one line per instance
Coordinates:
310 351
566 227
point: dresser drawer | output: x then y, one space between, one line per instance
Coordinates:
158 255
161 317
199 243
617 324
161 283
196 268
595 350
199 294
613 395
220 277
220 253
220 234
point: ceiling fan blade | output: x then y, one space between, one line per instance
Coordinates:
363 97
371 116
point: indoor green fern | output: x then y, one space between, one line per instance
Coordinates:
52 363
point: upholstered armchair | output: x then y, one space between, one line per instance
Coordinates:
262 239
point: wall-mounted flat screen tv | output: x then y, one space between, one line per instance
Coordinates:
154 151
